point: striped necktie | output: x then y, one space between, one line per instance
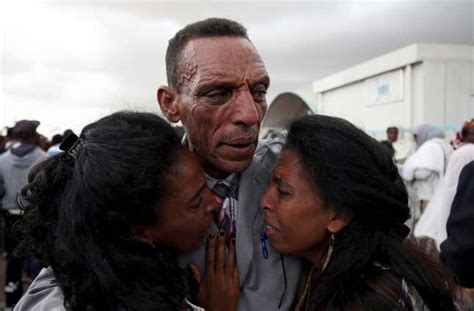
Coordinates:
225 216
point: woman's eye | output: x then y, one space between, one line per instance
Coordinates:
282 193
197 204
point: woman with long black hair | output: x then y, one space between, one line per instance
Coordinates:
109 215
337 200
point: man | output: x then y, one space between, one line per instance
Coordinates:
392 134
15 165
217 83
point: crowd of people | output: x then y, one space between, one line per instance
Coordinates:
132 215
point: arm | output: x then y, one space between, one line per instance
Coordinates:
458 250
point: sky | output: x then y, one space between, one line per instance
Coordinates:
68 63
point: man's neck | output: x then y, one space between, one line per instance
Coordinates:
214 172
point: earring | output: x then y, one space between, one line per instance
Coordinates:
147 241
330 250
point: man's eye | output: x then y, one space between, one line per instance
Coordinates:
218 96
259 94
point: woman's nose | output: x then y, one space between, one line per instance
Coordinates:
213 204
265 202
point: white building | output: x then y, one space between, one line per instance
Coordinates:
420 83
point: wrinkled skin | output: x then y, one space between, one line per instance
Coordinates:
221 101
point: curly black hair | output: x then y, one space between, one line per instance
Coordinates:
79 211
354 176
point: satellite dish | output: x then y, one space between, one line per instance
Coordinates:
285 108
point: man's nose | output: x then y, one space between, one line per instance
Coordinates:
246 110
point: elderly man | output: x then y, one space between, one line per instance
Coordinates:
217 84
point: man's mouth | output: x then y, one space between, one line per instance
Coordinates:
241 141
240 149
241 145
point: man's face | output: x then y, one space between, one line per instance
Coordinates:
392 134
222 101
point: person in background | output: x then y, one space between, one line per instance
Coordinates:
109 216
55 142
457 251
426 167
10 137
392 134
467 132
392 137
336 199
3 142
15 164
403 146
432 223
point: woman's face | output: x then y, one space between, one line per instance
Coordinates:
295 220
186 211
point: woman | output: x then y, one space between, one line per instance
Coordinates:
426 167
336 199
109 215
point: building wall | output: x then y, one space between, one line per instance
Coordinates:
434 91
373 103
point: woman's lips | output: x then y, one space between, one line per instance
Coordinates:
271 231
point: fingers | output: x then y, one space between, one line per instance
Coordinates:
231 259
210 254
220 251
196 274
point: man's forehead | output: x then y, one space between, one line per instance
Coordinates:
220 50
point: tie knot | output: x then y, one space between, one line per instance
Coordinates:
220 190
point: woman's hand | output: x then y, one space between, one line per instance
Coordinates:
219 288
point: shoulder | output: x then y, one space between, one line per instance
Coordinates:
43 294
40 152
267 151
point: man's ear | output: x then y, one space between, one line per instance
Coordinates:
168 101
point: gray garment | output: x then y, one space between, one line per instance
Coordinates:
426 132
262 282
43 294
14 173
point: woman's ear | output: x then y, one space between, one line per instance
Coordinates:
168 100
338 221
142 233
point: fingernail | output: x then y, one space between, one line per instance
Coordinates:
211 236
232 241
221 233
